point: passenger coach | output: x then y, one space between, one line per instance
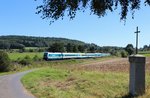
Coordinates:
58 55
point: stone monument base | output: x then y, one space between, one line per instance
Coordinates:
137 75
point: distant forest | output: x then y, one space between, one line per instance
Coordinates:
51 44
14 42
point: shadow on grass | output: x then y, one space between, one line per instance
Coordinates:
129 96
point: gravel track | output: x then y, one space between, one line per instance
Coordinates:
11 87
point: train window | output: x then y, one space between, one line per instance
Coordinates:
70 55
54 55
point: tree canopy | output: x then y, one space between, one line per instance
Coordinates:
130 49
55 9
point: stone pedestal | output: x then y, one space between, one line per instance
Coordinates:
137 75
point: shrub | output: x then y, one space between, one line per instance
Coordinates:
4 62
26 60
124 54
31 50
27 57
15 67
115 53
41 50
18 59
130 49
36 58
21 50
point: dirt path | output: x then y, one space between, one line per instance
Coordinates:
11 87
116 64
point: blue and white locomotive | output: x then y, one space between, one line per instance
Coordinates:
58 55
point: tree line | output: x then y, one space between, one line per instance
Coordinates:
19 42
52 44
145 48
60 47
7 65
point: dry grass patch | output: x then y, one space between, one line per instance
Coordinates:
85 81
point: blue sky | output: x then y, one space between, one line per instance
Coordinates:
17 17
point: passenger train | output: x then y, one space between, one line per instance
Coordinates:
59 55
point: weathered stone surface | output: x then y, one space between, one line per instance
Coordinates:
137 75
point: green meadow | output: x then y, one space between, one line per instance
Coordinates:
15 55
67 79
145 53
61 83
54 82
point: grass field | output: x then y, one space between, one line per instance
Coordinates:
12 72
14 56
4 73
145 53
31 48
68 79
72 81
61 83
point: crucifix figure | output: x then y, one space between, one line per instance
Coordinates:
137 40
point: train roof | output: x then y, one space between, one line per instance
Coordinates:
73 53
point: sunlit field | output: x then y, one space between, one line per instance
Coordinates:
108 78
145 53
16 55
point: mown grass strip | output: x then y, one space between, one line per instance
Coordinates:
62 83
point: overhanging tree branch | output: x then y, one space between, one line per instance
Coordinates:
55 9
